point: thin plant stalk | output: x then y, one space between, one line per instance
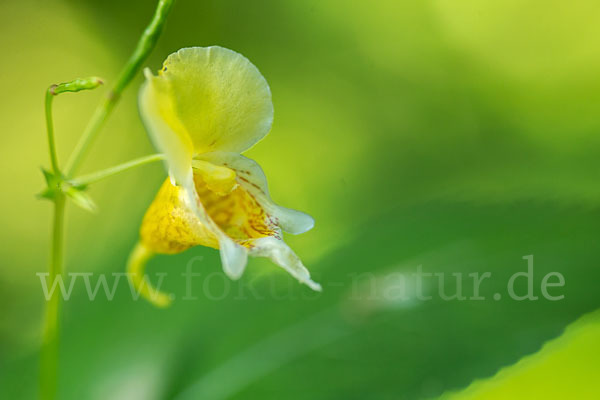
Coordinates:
51 329
51 333
50 129
108 172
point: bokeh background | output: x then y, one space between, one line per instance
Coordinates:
456 135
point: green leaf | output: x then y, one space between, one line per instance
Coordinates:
80 198
48 176
53 183
59 185
564 366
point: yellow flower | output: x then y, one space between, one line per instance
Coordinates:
205 107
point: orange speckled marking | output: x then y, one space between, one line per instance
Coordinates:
169 226
237 213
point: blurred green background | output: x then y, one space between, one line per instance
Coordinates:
456 135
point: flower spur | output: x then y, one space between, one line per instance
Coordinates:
206 106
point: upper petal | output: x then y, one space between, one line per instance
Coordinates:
220 98
205 99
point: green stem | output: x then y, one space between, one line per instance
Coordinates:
145 45
50 129
50 340
105 173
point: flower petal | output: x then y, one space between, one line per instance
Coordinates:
220 98
233 257
252 178
171 226
176 221
204 99
158 113
218 179
220 211
281 254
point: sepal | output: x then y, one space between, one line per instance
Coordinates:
80 198
53 183
58 185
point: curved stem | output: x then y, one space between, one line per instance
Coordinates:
50 129
145 45
50 339
54 90
136 267
108 172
